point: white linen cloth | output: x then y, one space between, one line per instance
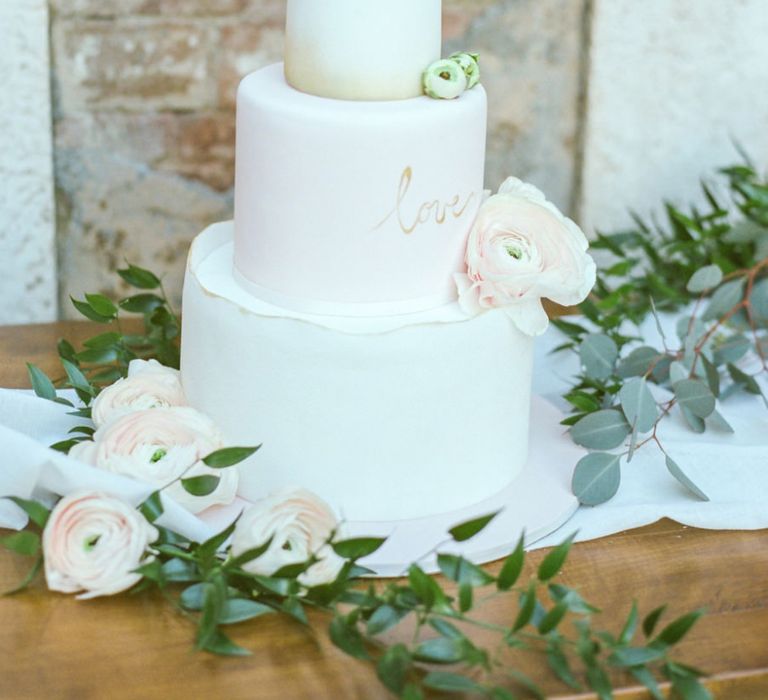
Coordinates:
731 469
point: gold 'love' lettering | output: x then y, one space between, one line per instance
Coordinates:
435 210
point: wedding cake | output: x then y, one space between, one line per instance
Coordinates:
340 319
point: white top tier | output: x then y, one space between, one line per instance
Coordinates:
361 49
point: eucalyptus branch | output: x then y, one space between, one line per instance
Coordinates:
705 262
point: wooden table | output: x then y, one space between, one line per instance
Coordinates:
52 646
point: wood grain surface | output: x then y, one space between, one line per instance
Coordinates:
133 647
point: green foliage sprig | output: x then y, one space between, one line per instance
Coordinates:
711 267
369 621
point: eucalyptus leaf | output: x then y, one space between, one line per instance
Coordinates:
744 380
724 299
678 372
718 422
678 473
240 609
705 278
602 430
639 362
695 396
460 570
732 349
598 355
596 478
696 424
638 404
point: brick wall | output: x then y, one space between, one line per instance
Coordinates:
144 115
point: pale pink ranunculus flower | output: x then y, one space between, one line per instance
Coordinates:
93 542
300 524
148 385
520 250
159 446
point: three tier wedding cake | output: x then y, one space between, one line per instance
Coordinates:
370 314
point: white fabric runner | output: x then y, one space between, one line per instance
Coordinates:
731 469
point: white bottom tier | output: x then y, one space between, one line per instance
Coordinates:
385 418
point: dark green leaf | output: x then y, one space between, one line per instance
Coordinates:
513 566
239 610
423 585
689 688
599 682
347 638
393 667
465 597
553 618
644 676
358 548
218 643
460 570
467 530
97 355
152 508
635 656
101 305
527 606
86 310
104 340
678 473
553 562
41 384
602 430
676 630
446 629
141 303
66 350
630 626
229 456
31 574
441 650
293 607
652 619
201 485
384 618
249 555
558 662
451 683
24 542
37 512
596 478
139 278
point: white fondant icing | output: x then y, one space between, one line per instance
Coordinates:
386 418
353 203
353 50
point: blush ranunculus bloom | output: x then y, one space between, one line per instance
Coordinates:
93 542
158 446
148 385
520 250
300 524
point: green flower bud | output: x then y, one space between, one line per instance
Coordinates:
470 64
444 80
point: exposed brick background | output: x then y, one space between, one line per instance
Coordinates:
144 96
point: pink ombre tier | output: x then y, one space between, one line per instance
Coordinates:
354 208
